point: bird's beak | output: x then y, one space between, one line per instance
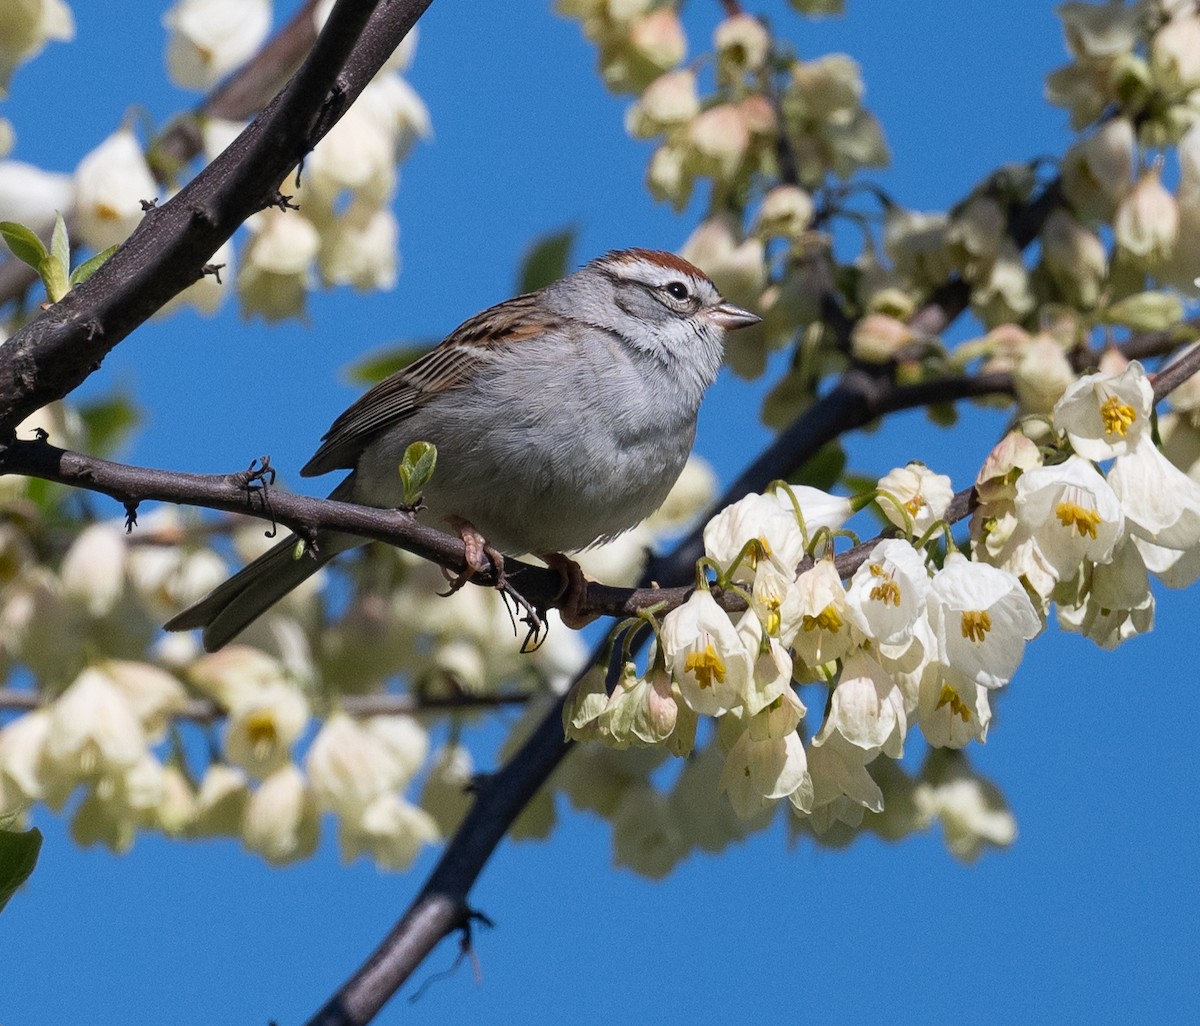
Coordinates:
731 317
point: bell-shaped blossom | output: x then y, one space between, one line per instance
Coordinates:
153 694
786 211
669 100
887 593
826 631
817 509
981 618
31 196
1161 503
952 709
93 570
772 674
640 710
767 760
22 743
27 28
207 39
348 768
93 730
263 726
1071 513
742 43
281 820
708 658
1104 415
922 494
1041 375
759 519
971 811
390 830
277 264
359 248
1147 221
1110 602
842 787
775 600
867 708
111 184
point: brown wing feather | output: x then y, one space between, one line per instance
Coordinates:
443 368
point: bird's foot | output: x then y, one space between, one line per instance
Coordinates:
572 595
479 554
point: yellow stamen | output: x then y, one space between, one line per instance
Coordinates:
887 590
975 624
828 619
1118 417
914 505
1083 520
261 732
706 666
951 698
774 618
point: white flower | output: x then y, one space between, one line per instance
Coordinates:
667 101
405 741
887 593
971 811
93 730
760 519
981 618
31 196
767 761
111 184
25 28
220 803
1161 503
1111 602
235 674
348 767
263 726
277 263
359 248
867 708
826 631
922 494
842 787
952 710
281 821
209 38
1147 220
818 509
391 830
772 675
153 694
640 710
22 742
1104 415
93 570
707 656
358 155
1072 514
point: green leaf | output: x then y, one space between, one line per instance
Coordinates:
1146 311
18 856
24 243
90 266
107 421
416 469
60 245
546 260
383 363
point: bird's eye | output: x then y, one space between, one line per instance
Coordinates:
677 290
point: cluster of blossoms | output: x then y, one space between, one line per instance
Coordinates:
124 729
345 232
906 642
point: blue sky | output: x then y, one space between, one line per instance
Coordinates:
1090 916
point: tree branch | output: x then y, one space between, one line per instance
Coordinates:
54 353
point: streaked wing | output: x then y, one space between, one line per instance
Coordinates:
443 368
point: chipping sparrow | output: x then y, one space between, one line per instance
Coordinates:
561 419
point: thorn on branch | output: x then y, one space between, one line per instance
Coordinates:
283 202
40 434
466 949
214 270
148 205
131 508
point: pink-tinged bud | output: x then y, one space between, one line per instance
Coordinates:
877 338
1147 221
1042 375
719 139
668 101
659 39
758 115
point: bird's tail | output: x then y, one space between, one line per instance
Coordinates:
249 593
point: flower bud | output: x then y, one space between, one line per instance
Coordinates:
669 100
742 44
786 211
877 338
209 38
1075 258
1147 220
